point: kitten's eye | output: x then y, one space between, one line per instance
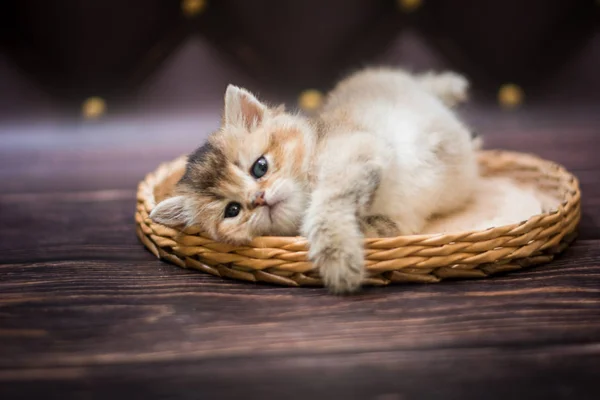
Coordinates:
232 209
260 167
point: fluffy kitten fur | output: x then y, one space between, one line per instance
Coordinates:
384 155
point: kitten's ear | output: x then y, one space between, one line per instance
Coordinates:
170 212
242 108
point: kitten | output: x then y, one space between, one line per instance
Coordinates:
384 155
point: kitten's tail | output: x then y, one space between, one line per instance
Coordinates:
452 89
449 87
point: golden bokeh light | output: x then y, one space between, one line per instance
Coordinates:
310 100
409 5
93 107
510 95
192 8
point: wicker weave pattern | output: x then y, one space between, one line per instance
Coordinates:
415 258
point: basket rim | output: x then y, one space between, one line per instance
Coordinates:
424 258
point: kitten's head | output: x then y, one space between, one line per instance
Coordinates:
249 179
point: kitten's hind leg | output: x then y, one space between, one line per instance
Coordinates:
374 226
450 87
332 224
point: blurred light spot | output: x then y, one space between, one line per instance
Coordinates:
93 107
192 8
409 5
310 99
510 95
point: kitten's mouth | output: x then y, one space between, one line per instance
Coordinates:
273 208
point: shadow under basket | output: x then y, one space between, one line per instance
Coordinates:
414 258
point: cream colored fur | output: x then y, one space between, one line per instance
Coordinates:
385 154
390 147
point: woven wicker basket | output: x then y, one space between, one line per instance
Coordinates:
416 258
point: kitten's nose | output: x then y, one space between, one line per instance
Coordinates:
259 199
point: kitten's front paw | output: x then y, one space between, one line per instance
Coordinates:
342 269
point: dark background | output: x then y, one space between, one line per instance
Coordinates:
87 312
147 56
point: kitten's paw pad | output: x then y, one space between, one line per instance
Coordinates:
342 272
343 282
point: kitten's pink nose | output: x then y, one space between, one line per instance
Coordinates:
259 199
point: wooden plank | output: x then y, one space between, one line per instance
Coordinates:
80 312
560 372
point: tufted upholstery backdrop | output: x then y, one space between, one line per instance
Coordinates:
174 53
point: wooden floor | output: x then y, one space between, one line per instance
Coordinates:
87 312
